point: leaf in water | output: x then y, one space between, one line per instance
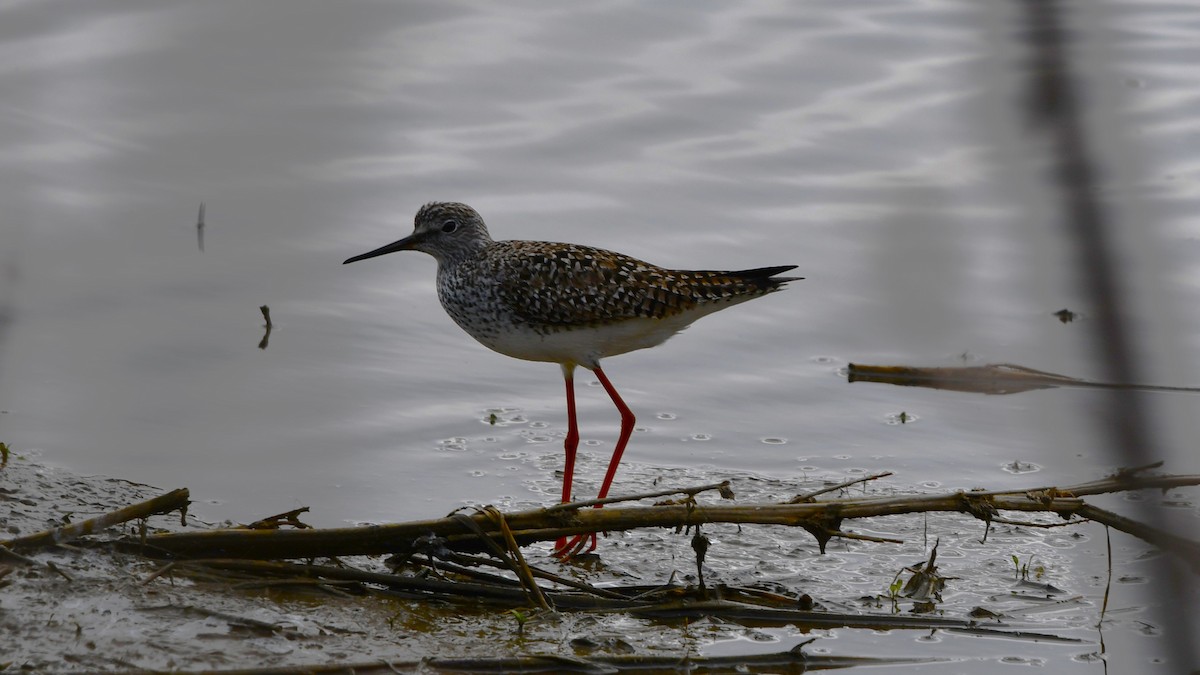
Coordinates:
996 378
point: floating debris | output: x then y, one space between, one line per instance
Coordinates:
1065 315
996 378
200 228
266 312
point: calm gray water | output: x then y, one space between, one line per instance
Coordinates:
879 146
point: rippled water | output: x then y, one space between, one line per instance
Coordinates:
878 146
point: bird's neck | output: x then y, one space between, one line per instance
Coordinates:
465 251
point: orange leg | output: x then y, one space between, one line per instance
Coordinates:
627 422
567 549
570 445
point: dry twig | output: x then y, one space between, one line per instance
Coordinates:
821 519
176 499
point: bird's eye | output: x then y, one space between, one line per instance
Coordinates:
449 226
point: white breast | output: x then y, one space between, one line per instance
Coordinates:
584 346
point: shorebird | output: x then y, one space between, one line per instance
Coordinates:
567 304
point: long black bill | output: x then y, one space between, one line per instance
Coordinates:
404 244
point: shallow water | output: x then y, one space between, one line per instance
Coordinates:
118 609
878 147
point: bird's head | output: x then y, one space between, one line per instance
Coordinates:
445 230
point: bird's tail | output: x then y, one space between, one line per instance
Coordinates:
764 277
734 286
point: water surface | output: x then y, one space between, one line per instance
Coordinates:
880 147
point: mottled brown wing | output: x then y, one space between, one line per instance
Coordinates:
566 285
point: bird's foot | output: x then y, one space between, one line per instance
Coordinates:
566 550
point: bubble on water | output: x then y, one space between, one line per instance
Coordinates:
1019 467
592 442
456 444
772 440
1022 660
502 417
539 425
901 417
666 416
701 437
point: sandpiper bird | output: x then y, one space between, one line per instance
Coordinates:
567 304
